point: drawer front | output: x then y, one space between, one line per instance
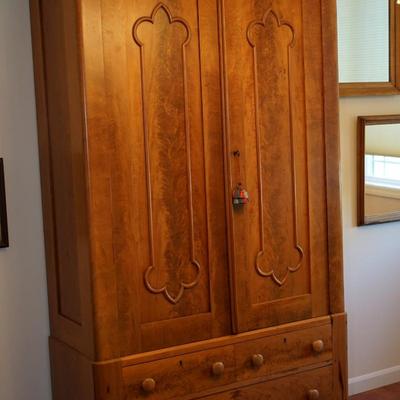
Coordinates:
283 352
249 357
315 384
179 376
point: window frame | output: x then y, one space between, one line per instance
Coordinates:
382 88
379 181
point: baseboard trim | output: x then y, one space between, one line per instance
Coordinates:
374 380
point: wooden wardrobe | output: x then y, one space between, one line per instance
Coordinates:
153 115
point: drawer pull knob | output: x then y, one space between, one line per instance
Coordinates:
149 385
313 394
318 346
257 360
218 368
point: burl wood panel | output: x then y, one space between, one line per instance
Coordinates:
158 208
273 41
174 264
274 93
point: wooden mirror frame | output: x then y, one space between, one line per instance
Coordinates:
382 88
362 123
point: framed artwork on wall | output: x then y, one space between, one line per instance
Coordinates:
3 209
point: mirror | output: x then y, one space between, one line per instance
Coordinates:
378 169
368 41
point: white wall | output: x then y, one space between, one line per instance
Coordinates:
24 366
372 266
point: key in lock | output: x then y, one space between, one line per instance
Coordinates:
240 196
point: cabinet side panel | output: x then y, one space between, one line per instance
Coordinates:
72 374
339 332
332 148
61 129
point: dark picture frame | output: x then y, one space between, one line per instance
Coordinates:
3 209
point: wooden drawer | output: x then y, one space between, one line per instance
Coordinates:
179 376
190 374
315 384
283 352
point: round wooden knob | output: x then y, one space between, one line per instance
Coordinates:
318 346
149 385
313 394
257 360
218 368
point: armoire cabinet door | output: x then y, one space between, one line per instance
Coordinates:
157 178
275 150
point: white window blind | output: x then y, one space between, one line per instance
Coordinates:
363 28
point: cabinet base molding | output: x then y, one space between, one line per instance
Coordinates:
246 364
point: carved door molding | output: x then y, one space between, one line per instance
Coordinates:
262 262
173 214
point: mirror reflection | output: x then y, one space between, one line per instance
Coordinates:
363 29
369 47
381 180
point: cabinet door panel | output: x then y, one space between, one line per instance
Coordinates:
165 173
274 97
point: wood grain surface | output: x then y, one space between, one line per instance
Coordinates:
150 114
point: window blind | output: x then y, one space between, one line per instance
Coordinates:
363 29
